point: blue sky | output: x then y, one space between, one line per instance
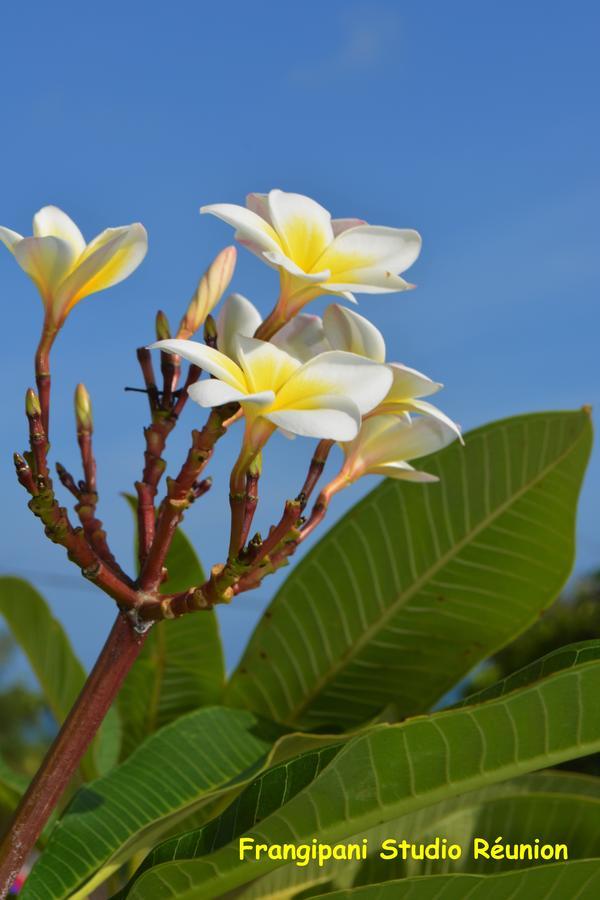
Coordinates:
475 123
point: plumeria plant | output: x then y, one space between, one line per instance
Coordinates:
166 777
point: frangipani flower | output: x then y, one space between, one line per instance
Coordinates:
64 268
344 329
323 398
316 254
386 443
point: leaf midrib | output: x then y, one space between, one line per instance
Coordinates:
404 597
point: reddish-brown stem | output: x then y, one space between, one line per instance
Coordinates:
193 375
24 474
88 463
250 504
165 413
317 464
38 443
59 529
86 510
42 373
277 534
181 492
170 367
60 763
145 361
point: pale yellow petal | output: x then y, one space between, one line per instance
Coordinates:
106 261
50 221
207 358
265 366
303 226
46 260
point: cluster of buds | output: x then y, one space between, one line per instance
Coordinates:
323 378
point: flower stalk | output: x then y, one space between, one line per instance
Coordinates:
66 752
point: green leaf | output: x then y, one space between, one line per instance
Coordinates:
567 657
59 673
554 807
580 879
394 770
176 770
273 788
12 785
181 666
417 583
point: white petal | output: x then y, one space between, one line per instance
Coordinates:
277 258
46 260
213 392
110 258
428 409
339 225
370 247
336 372
51 221
302 337
410 383
368 281
346 330
206 358
249 226
388 440
303 226
259 204
237 316
420 437
337 420
404 472
10 238
266 367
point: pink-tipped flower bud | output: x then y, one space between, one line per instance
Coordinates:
163 329
32 404
211 288
83 409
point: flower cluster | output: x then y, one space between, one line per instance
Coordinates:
326 378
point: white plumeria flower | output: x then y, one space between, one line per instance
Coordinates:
316 254
323 398
344 329
386 443
64 268
340 329
237 316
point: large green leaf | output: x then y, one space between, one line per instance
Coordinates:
394 770
579 880
417 583
274 787
567 657
553 806
59 673
176 770
181 666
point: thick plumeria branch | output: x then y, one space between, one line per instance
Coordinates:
325 379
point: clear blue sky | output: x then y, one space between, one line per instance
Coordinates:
476 123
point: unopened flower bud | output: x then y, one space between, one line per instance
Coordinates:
211 288
32 404
163 330
83 409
